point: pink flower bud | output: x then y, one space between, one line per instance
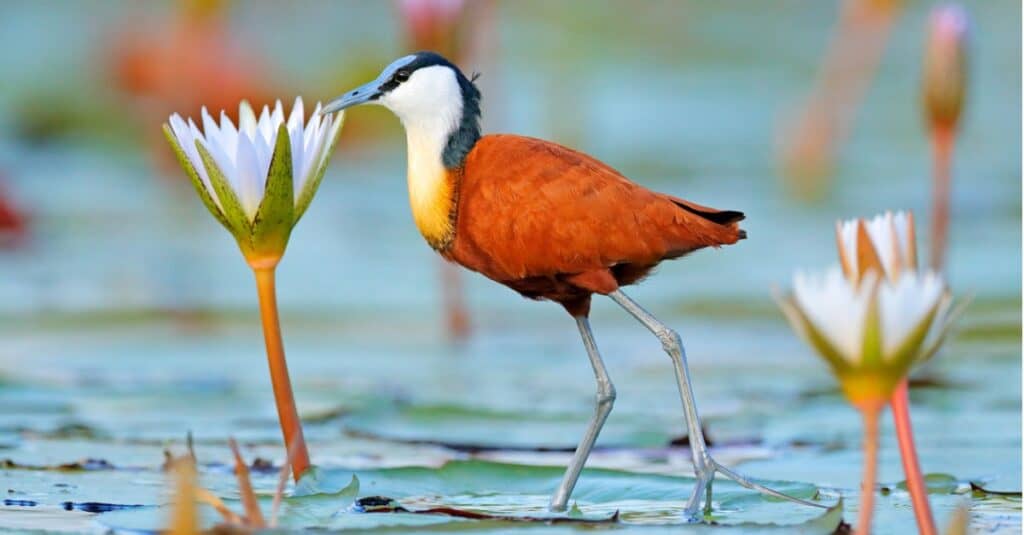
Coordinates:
945 66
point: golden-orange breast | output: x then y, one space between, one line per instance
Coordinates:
552 222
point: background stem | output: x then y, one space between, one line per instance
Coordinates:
908 453
867 495
287 412
942 154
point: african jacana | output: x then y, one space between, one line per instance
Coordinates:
546 221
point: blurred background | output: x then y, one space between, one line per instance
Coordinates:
128 316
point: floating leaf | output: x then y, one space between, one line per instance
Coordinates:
936 483
978 488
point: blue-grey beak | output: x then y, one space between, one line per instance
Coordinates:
360 95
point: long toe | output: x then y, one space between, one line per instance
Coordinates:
750 484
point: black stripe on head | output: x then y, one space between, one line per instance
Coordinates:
466 135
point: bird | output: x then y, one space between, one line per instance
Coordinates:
550 223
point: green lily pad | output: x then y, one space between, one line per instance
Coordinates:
480 490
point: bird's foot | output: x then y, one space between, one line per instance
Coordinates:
705 475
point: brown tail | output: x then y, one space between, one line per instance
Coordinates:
722 217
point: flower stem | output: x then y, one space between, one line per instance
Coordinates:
867 495
908 452
287 412
942 154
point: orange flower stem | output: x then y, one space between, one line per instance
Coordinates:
908 453
287 412
867 495
942 154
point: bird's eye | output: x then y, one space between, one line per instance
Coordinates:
402 75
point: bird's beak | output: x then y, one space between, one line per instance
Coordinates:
360 95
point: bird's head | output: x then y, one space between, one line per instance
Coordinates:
431 97
416 87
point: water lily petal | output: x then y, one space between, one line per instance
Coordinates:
867 254
803 326
263 151
222 152
277 116
313 128
886 242
904 304
265 126
246 119
249 180
846 243
313 139
296 123
228 133
297 117
836 308
892 237
907 235
316 172
312 152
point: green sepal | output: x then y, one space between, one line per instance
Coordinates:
819 342
193 175
238 222
310 187
871 343
910 350
275 217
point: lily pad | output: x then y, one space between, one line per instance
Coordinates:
461 491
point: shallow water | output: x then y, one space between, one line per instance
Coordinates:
129 318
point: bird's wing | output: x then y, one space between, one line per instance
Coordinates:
529 207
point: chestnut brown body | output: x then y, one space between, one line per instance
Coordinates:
553 223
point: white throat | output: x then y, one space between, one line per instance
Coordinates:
429 104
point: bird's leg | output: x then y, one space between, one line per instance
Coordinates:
605 399
704 465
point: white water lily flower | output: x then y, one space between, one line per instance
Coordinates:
886 242
259 178
870 333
